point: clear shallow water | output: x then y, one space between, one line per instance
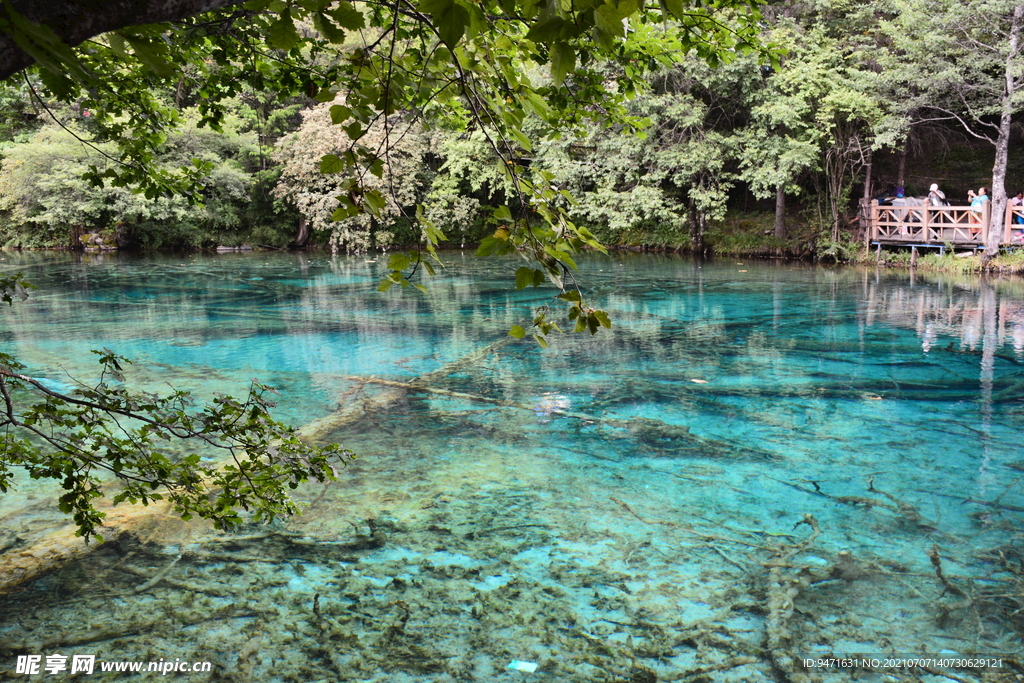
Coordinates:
609 508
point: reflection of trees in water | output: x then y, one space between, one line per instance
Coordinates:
978 315
979 318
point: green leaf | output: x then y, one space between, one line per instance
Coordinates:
376 202
524 277
502 213
563 60
541 340
521 138
399 261
152 54
347 16
477 21
346 210
326 95
331 163
537 104
493 246
327 28
354 130
602 317
340 114
675 8
451 24
546 31
516 332
384 285
608 18
435 6
282 34
117 44
45 47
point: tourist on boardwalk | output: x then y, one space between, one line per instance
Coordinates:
936 197
1017 202
978 202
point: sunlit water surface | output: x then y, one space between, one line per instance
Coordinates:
614 508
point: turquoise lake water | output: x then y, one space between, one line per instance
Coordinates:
625 507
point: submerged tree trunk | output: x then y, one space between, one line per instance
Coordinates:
780 211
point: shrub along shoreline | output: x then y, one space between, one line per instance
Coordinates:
741 236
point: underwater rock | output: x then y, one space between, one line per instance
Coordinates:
643 675
94 242
656 431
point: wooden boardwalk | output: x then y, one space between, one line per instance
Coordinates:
936 226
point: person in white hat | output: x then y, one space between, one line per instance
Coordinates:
936 197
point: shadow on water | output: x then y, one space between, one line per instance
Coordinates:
760 464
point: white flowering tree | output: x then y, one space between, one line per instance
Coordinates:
394 176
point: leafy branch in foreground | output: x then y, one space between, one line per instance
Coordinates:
144 446
14 286
95 433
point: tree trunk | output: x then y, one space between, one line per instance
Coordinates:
302 236
696 229
998 212
867 174
835 178
901 174
780 211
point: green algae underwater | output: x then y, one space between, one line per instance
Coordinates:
762 466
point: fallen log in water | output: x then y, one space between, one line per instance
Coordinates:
60 546
351 412
56 548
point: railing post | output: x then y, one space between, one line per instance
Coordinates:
927 222
874 219
1007 222
986 220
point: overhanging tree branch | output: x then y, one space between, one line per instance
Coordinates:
74 21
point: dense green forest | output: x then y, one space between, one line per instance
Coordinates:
756 150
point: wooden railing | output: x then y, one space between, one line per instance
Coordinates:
924 224
1013 225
